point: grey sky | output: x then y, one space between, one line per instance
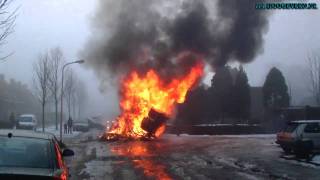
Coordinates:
43 24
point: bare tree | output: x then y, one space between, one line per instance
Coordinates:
75 94
41 82
314 73
69 89
7 22
56 58
81 96
78 98
74 102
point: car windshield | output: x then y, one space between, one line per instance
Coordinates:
24 152
291 127
25 119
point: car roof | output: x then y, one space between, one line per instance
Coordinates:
26 133
305 121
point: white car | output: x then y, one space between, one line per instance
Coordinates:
302 137
27 121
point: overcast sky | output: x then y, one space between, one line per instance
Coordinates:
43 24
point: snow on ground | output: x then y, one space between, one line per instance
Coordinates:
300 162
247 176
316 159
101 150
52 129
245 157
226 125
97 169
235 136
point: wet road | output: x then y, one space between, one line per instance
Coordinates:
185 157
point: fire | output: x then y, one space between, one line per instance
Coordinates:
140 94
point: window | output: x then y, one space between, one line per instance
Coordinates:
24 152
312 128
25 119
291 127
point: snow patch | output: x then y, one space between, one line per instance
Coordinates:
205 125
248 176
102 150
290 159
316 159
227 161
97 170
52 129
235 136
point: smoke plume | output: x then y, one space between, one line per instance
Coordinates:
171 36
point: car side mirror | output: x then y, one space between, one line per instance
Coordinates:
67 152
61 145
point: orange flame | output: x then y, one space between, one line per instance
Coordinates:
141 94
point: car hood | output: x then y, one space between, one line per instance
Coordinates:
21 172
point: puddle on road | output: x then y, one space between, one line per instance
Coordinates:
143 156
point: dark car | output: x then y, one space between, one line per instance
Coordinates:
81 126
31 155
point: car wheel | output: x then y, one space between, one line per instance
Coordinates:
286 150
302 154
303 149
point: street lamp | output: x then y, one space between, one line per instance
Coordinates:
61 112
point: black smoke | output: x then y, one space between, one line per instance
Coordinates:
144 34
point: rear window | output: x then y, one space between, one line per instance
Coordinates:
312 128
25 119
291 127
24 152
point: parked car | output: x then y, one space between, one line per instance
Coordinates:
81 126
301 137
31 155
27 121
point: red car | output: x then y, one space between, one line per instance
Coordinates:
31 155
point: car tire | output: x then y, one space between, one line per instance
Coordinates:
303 149
301 154
286 150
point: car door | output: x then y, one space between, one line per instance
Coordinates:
312 132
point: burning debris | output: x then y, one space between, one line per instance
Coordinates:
154 124
157 50
148 101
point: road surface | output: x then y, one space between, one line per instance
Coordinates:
185 157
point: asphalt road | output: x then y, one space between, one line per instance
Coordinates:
185 157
